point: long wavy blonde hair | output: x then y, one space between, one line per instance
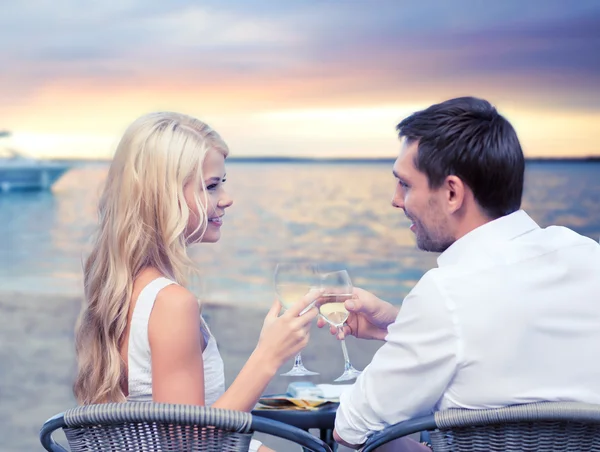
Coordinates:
143 217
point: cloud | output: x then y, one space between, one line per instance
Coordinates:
546 55
91 66
129 41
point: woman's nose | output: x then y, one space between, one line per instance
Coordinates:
225 201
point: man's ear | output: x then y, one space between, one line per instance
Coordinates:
455 192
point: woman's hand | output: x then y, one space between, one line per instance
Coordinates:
284 336
368 318
281 338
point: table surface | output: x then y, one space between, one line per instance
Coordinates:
322 418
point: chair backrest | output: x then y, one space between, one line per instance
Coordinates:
144 426
539 427
549 426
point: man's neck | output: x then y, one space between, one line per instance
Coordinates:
470 223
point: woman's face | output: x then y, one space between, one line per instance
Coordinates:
214 198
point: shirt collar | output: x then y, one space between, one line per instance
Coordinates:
501 229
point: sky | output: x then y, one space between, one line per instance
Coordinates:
295 78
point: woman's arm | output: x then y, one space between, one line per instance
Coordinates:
175 342
280 338
176 345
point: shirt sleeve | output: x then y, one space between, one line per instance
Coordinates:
410 372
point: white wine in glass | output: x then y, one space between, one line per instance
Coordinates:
334 311
290 293
337 288
292 282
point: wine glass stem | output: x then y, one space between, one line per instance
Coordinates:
298 361
345 351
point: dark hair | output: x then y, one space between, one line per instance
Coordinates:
468 138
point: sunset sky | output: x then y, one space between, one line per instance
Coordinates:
295 78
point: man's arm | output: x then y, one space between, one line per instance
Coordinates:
409 373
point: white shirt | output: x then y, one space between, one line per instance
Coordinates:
511 315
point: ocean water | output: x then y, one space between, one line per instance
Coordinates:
337 214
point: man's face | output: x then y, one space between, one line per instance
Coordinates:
423 206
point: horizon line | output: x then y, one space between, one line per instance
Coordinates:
296 159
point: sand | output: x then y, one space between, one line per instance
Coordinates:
37 360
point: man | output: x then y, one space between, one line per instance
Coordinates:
512 313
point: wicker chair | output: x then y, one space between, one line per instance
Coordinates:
148 427
540 427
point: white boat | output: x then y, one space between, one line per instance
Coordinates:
18 172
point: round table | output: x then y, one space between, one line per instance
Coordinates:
323 419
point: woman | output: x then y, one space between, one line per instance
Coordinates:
140 335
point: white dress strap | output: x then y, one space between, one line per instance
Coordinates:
147 297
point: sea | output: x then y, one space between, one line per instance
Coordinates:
336 214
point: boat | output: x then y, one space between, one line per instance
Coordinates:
20 172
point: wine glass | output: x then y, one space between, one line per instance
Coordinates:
337 287
292 282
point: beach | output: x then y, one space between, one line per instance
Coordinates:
38 360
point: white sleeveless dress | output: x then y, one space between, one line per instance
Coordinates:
140 361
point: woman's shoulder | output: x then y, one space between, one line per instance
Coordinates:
165 290
171 301
175 317
176 300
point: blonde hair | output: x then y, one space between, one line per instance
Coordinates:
143 216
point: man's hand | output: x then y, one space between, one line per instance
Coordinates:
369 316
